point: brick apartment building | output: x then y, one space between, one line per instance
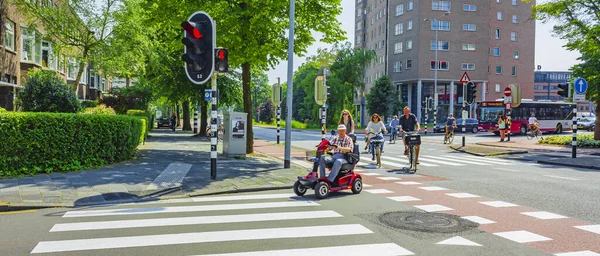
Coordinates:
494 41
23 48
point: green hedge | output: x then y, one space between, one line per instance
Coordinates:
144 116
48 142
583 140
99 110
90 103
2 110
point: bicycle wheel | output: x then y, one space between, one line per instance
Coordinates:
538 134
378 155
530 135
451 138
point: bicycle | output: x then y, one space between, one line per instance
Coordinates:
449 138
413 139
531 134
377 147
394 135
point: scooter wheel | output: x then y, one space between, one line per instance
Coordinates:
357 186
322 190
299 189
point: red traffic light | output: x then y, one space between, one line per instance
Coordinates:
191 29
221 54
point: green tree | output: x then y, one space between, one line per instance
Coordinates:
383 97
578 22
44 91
267 112
261 92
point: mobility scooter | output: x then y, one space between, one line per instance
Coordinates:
346 179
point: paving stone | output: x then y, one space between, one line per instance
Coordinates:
51 200
50 193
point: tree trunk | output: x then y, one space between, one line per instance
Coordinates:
77 79
187 126
248 107
203 118
596 129
127 81
178 117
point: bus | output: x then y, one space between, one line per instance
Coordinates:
553 116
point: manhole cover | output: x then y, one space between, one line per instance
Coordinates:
427 222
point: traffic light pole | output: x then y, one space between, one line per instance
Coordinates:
464 120
196 119
574 142
426 115
278 111
323 122
213 128
290 89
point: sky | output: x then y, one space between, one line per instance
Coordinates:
549 50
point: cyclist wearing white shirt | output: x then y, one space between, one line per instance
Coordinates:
533 123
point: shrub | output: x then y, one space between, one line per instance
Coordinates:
267 111
89 103
143 115
99 110
44 91
583 140
48 142
2 110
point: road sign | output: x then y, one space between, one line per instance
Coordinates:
508 99
465 78
507 91
578 97
581 86
207 95
465 115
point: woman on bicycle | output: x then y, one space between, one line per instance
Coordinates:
450 126
346 119
372 131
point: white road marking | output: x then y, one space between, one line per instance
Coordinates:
171 177
522 236
379 191
457 160
485 160
544 215
479 220
198 237
579 253
389 178
457 240
505 169
403 160
366 185
433 188
390 249
200 208
370 174
442 162
408 183
560 177
433 208
162 222
498 204
462 195
590 228
404 198
244 197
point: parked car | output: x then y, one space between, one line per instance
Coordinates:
472 126
586 123
162 122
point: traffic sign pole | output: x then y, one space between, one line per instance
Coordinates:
574 142
464 122
278 109
507 123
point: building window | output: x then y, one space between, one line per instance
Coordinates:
443 25
358 25
410 5
516 55
514 2
469 27
93 79
380 59
71 68
500 16
399 28
398 47
513 71
440 5
468 47
469 7
497 88
358 1
9 35
408 64
468 66
515 19
441 46
27 44
496 51
48 57
409 45
409 25
397 66
442 64
399 9
498 70
513 36
358 39
358 12
497 33
499 1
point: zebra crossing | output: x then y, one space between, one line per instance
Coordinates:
437 160
208 223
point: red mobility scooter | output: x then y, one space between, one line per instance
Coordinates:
346 178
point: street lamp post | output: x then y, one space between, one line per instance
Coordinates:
437 65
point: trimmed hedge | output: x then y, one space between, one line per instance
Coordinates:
99 110
583 140
49 142
143 115
2 110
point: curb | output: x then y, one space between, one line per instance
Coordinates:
569 165
511 152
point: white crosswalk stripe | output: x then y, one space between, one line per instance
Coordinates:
403 160
101 229
457 160
436 160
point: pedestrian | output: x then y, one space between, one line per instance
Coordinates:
501 127
346 120
173 121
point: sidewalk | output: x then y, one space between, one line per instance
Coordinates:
169 165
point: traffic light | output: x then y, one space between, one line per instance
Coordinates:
221 60
319 90
563 90
327 94
199 40
429 103
471 93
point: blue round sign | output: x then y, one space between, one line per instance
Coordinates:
580 85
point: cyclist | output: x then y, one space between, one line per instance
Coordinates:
533 123
408 121
450 125
394 126
375 126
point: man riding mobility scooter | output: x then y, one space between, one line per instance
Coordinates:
345 179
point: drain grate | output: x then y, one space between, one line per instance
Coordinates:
426 222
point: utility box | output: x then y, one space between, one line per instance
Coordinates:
234 141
